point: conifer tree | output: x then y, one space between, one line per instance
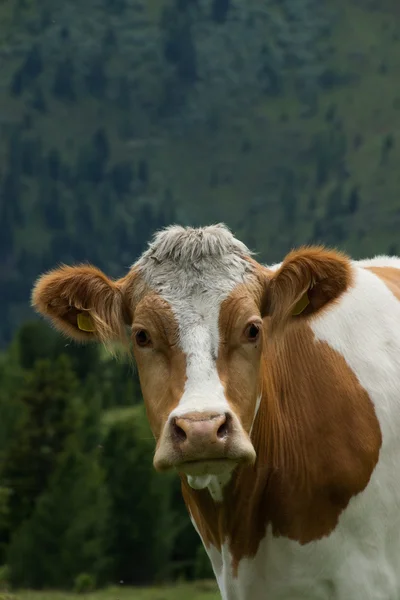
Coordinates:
51 414
140 531
65 535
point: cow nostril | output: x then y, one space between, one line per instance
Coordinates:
179 433
223 429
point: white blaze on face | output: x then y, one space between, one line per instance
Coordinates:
203 392
199 338
198 320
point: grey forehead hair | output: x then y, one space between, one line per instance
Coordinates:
183 258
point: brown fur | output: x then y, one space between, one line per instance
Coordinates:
317 441
238 362
162 367
323 274
62 293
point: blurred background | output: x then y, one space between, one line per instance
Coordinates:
118 117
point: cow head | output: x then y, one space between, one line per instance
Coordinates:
199 311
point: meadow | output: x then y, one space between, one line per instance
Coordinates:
200 590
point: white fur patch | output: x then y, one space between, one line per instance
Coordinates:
380 261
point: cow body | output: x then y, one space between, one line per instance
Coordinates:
360 558
274 392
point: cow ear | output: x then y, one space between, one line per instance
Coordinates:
82 303
308 280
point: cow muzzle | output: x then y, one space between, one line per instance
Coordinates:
200 443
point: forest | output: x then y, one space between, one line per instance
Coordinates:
121 116
80 503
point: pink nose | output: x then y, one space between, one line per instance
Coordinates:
202 443
198 433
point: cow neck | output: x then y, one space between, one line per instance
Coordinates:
317 440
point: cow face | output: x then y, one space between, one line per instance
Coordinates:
198 358
194 305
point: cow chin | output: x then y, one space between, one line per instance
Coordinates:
212 467
204 465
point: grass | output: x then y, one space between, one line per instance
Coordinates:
201 590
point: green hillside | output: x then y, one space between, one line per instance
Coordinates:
121 116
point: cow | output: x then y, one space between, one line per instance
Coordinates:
274 392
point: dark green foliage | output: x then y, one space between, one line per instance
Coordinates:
92 159
33 64
50 417
64 84
38 101
143 171
6 226
17 84
119 383
96 78
64 33
65 533
140 504
29 157
269 72
186 552
54 164
80 502
288 199
53 211
115 6
102 115
121 176
387 145
36 340
12 411
167 212
124 98
179 48
30 69
354 201
109 40
101 145
11 193
335 206
203 568
330 113
84 583
4 578
330 78
219 10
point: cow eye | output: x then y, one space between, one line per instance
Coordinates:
252 332
142 338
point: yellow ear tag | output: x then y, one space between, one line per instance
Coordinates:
301 305
85 322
